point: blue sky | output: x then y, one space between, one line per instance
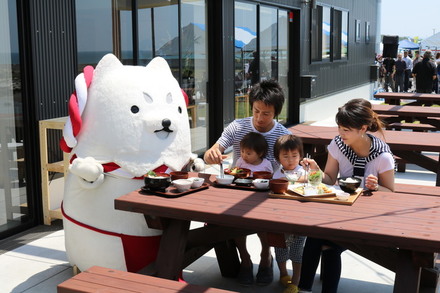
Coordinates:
410 18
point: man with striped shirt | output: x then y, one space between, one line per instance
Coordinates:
266 100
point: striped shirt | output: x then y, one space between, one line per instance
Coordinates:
234 133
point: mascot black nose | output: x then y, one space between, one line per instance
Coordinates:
166 123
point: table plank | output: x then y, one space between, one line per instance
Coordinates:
395 98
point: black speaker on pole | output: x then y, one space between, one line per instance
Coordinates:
390 45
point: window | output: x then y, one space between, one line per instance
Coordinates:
340 30
367 32
358 31
320 30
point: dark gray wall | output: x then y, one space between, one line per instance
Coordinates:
52 27
340 75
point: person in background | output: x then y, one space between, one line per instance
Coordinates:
436 82
288 150
399 77
390 67
409 65
425 73
266 100
353 152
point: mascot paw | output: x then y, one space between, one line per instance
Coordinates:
198 165
195 164
90 173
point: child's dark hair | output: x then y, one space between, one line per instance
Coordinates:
270 93
358 112
288 142
255 141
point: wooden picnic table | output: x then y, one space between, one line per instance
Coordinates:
426 115
400 231
407 145
395 98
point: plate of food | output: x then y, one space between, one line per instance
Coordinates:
308 191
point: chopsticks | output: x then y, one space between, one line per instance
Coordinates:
306 177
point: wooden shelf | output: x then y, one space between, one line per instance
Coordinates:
46 167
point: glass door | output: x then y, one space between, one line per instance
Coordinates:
14 208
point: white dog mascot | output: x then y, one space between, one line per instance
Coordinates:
124 121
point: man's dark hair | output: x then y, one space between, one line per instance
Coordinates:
270 93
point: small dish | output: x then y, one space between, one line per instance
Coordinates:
261 183
179 175
196 182
182 184
225 179
343 196
243 182
262 175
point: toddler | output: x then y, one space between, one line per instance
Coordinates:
253 150
288 150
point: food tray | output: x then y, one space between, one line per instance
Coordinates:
329 199
172 192
243 187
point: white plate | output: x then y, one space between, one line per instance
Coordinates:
293 187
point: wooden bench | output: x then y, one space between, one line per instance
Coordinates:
401 163
99 279
412 126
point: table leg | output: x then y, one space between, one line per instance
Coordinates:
407 273
172 249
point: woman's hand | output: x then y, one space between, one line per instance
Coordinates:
372 182
309 163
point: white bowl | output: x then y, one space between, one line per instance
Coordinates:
182 184
226 180
343 196
196 182
261 183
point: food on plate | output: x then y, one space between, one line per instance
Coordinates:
321 189
235 171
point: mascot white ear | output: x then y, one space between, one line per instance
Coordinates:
124 121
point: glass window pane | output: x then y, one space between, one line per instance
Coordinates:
283 59
268 42
246 56
344 37
326 29
195 69
316 34
14 208
145 34
94 27
166 36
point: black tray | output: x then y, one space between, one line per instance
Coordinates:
172 192
239 186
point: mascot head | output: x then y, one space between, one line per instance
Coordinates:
133 116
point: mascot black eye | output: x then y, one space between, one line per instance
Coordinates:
134 109
180 110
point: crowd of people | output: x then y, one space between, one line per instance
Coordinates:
408 73
259 142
